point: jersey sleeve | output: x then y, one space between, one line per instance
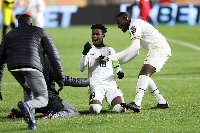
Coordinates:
115 64
135 46
29 6
83 63
135 30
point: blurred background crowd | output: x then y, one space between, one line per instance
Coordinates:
83 3
64 13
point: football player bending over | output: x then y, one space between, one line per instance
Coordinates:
56 107
145 35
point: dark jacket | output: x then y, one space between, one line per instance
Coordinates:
55 102
21 47
49 76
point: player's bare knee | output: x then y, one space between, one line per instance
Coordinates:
119 109
95 108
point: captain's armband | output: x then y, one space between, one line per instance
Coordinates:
115 64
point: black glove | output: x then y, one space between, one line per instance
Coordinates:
120 74
1 96
61 84
87 47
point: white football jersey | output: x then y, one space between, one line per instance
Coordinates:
150 37
99 70
35 7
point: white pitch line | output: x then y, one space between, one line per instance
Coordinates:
130 79
183 43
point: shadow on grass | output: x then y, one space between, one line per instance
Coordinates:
184 73
167 74
86 112
5 119
104 112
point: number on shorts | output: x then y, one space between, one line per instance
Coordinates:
92 95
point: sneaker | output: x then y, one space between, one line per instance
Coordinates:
45 116
23 106
31 126
161 106
11 116
131 106
15 114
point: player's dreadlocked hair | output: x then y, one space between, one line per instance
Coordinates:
99 26
123 14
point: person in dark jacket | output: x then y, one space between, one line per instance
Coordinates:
56 107
20 49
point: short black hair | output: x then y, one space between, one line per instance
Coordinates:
99 26
123 14
25 18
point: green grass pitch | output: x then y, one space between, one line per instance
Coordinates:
178 81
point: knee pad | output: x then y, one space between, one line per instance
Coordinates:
95 108
119 109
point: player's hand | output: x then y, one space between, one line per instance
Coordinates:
87 47
1 96
120 74
61 84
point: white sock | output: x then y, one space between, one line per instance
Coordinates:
142 85
155 92
119 109
95 108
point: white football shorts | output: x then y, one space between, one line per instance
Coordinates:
107 91
156 58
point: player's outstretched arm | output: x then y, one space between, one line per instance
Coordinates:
135 46
76 82
129 57
134 51
118 69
